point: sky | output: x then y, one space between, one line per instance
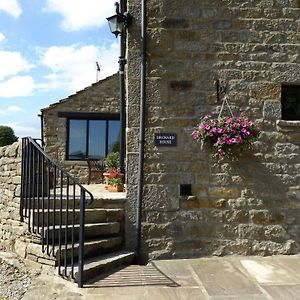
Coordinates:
48 51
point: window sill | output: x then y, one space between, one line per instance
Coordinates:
75 162
288 126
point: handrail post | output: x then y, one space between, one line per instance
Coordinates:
22 196
81 239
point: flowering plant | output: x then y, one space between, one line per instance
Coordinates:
114 173
115 181
226 133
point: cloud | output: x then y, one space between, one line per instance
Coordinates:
81 14
11 7
74 67
10 109
14 108
2 37
17 86
22 129
12 63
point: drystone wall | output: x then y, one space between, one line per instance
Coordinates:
250 205
14 235
10 186
101 97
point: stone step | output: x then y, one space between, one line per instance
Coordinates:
44 255
97 203
91 248
94 215
99 265
94 230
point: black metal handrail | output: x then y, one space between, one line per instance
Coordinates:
51 201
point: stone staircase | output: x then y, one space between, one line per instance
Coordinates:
68 227
104 238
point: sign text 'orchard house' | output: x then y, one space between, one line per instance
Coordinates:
165 139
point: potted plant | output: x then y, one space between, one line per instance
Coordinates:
112 161
226 134
115 185
111 164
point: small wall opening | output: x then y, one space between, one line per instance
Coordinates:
290 102
185 190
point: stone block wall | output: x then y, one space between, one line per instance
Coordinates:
11 228
246 206
14 235
101 97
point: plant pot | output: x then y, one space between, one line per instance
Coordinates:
106 178
115 188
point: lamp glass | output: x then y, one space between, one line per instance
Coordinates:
116 24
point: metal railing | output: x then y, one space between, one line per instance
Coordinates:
53 204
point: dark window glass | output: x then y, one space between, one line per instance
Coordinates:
77 139
97 137
113 136
290 102
92 139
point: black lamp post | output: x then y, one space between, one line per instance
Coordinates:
118 24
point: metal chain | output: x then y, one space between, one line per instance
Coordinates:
225 102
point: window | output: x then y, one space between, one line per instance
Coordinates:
290 102
92 138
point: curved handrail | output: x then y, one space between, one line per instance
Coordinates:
60 167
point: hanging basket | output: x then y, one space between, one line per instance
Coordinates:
226 134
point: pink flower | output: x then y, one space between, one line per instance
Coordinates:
221 152
228 120
220 130
195 135
225 132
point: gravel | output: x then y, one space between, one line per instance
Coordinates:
15 279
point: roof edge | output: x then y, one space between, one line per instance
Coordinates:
53 105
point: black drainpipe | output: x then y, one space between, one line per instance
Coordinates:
122 63
42 127
141 134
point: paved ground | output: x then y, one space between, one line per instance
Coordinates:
99 191
233 277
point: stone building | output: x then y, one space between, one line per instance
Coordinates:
246 206
180 200
84 125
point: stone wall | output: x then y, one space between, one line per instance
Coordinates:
101 97
14 235
11 228
246 206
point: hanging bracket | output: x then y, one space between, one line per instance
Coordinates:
221 89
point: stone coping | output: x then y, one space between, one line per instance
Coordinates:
288 126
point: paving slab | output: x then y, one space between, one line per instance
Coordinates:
291 264
221 277
231 277
283 292
180 271
146 293
100 192
134 275
268 271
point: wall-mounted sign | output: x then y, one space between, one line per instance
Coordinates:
165 139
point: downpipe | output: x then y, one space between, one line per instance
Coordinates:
139 201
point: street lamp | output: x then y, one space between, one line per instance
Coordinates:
119 21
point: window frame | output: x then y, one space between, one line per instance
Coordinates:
87 117
284 92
